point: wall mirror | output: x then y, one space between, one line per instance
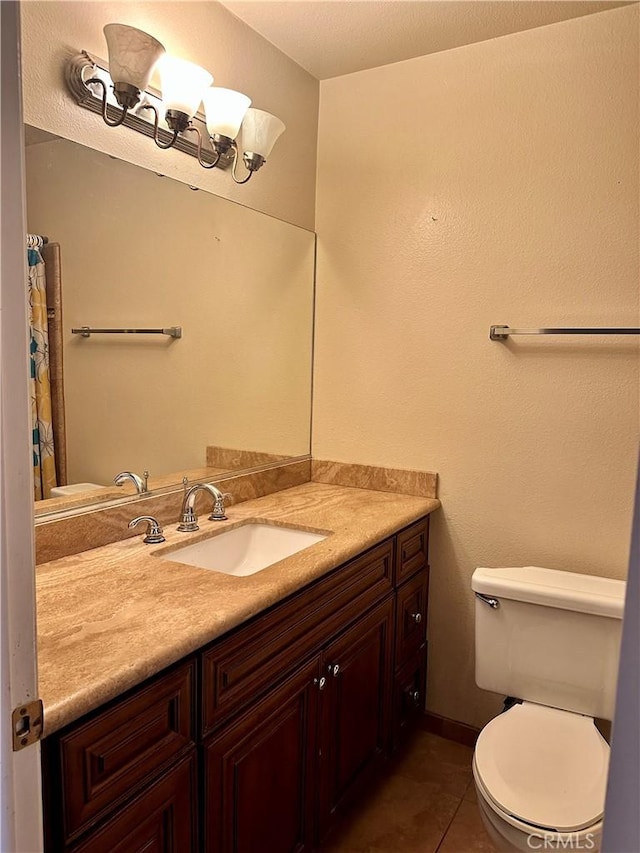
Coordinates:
128 249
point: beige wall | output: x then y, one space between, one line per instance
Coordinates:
494 183
203 32
141 251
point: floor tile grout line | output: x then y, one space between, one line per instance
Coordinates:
466 790
453 817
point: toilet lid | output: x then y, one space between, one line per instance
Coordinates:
544 766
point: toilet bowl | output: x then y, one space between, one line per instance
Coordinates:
540 775
551 639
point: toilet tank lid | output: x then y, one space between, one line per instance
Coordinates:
553 588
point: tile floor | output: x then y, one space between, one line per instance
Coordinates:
424 804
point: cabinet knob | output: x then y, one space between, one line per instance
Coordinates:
417 618
414 695
320 682
333 669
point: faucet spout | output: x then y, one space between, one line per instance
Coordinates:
189 519
141 483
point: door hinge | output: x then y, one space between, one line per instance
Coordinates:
26 724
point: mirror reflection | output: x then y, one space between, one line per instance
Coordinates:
127 249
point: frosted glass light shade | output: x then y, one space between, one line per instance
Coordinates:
183 84
224 110
132 55
260 130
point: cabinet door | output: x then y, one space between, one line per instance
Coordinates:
259 773
355 708
160 820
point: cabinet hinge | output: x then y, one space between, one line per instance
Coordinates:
26 724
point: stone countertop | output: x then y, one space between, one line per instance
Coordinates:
112 617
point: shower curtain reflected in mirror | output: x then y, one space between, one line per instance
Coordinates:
44 466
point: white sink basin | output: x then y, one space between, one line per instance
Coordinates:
245 550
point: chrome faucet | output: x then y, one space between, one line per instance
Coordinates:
140 483
154 530
188 517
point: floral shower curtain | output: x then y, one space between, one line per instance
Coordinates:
44 467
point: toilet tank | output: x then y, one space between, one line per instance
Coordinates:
553 638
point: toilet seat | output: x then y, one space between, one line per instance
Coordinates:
529 829
545 767
509 833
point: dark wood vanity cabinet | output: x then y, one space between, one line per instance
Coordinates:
412 598
355 711
101 763
343 625
256 743
162 819
259 787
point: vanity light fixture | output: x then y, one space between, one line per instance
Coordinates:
132 58
183 85
119 90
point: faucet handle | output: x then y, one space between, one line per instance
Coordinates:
219 504
154 530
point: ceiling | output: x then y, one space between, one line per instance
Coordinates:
333 37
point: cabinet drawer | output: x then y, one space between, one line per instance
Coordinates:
413 550
237 670
162 819
411 616
409 695
106 759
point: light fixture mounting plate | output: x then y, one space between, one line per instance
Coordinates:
82 66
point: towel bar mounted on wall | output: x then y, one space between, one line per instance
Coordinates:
87 331
501 333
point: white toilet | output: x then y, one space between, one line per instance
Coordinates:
552 640
74 489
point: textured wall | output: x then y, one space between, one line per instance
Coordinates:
207 34
494 183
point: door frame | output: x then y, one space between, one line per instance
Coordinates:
20 783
